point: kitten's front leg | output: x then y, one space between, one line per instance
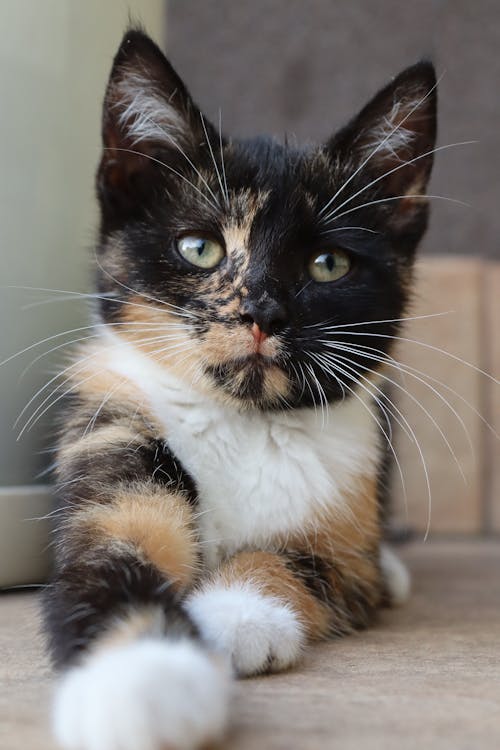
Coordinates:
262 608
134 673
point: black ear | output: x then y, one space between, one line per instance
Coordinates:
148 116
394 134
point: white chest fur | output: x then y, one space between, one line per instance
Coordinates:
258 474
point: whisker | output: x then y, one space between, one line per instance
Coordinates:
424 196
221 149
378 147
418 403
304 287
107 295
172 308
425 470
375 322
81 361
213 157
107 396
300 378
87 338
395 169
405 369
426 346
70 297
90 326
333 372
306 381
167 166
341 229
321 393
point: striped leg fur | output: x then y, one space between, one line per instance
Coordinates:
133 671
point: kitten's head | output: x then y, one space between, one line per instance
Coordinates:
252 269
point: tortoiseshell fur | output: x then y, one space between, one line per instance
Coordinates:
214 495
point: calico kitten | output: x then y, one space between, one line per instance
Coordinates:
218 462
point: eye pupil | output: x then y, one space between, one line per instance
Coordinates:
330 262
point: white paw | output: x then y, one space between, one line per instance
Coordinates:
258 631
148 695
396 576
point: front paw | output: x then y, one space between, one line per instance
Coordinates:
258 631
148 695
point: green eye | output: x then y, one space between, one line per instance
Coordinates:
200 251
329 266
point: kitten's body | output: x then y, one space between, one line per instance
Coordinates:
218 469
283 471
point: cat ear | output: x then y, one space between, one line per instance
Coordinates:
390 139
147 112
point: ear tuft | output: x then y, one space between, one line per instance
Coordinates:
149 122
395 132
146 102
406 113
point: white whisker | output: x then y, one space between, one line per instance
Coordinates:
375 322
221 149
213 157
167 166
333 372
418 403
341 229
425 345
378 147
405 369
333 213
174 309
82 361
423 196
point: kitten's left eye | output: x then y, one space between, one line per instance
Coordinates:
329 266
200 251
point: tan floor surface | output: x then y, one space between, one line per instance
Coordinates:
428 676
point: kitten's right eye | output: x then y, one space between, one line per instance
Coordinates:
200 251
329 266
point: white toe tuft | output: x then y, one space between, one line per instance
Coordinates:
258 631
148 695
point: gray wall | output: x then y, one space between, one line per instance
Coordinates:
305 67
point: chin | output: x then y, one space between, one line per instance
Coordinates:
252 382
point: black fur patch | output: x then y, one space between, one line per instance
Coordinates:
353 604
84 599
88 472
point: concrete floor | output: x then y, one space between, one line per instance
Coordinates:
428 676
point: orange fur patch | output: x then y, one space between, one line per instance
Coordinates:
137 623
107 439
350 541
269 572
157 523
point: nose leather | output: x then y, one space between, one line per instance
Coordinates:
266 312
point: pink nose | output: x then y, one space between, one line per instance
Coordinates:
258 335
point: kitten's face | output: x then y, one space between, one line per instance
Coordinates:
251 269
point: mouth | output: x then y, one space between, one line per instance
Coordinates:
246 378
